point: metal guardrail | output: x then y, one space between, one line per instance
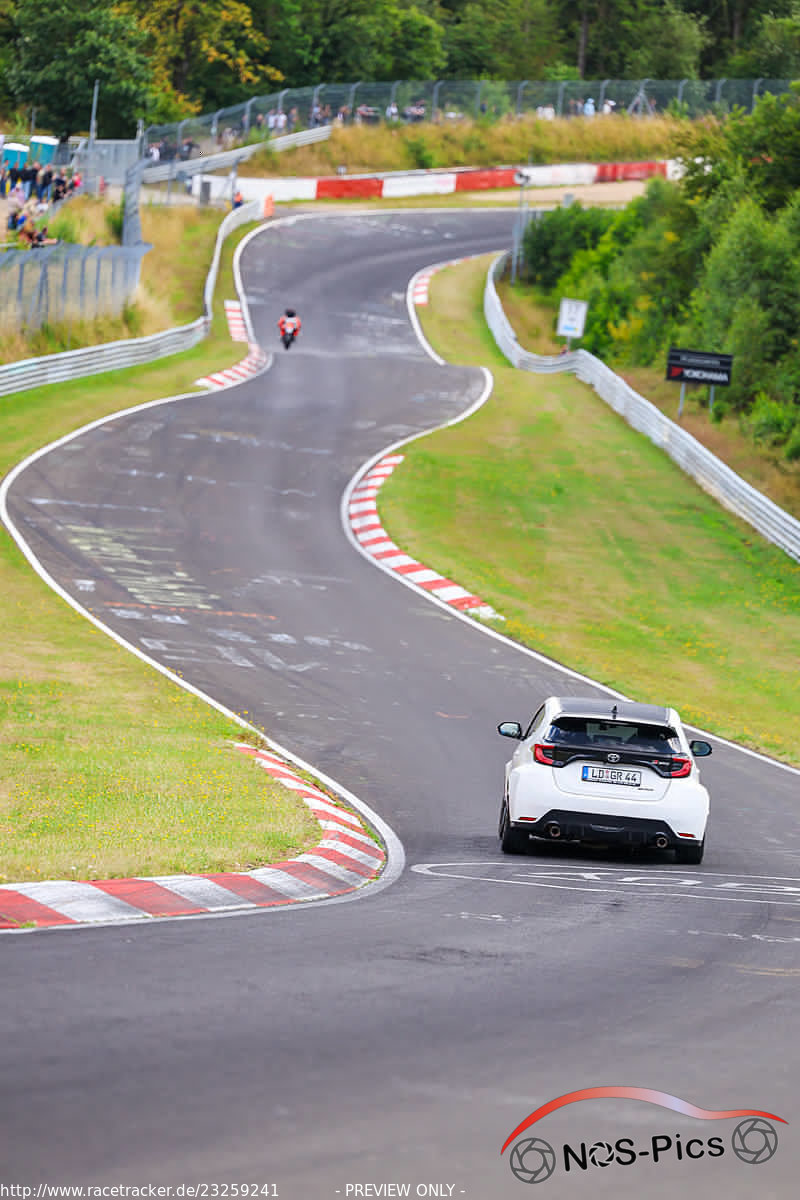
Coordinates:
713 475
131 352
160 172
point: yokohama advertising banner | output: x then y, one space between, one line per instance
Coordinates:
696 366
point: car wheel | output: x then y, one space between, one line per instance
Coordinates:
511 840
690 852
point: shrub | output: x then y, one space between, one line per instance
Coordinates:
420 153
550 242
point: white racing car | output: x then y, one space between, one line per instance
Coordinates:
607 772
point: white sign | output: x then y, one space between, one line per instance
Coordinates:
571 318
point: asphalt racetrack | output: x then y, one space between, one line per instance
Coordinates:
398 1038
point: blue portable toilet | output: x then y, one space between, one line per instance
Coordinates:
43 149
14 154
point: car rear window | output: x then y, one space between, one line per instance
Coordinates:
583 731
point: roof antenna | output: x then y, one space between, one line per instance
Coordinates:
614 713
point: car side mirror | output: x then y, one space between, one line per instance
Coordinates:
700 749
510 729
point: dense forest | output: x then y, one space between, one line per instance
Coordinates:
163 59
709 263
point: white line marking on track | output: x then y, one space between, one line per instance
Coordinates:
658 883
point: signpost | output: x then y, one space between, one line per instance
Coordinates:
571 319
698 366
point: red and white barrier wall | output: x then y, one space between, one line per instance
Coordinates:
433 183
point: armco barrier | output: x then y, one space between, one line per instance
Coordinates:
394 185
114 356
732 492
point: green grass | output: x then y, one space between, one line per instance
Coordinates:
106 768
364 148
596 548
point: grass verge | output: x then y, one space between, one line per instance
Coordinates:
597 549
106 768
362 149
534 321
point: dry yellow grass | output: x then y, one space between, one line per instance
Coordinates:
364 148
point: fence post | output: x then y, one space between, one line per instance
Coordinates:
681 86
435 97
520 90
478 98
99 257
64 290
246 117
756 86
352 98
602 95
718 92
560 99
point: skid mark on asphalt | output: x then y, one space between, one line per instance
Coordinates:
656 884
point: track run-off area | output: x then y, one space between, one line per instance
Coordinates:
396 1036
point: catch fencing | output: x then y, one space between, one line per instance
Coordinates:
446 100
714 476
64 284
54 368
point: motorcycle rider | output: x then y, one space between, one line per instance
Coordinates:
289 327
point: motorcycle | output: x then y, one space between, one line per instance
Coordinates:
288 337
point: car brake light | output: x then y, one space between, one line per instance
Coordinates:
680 767
544 754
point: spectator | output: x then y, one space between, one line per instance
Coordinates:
392 111
4 180
238 199
281 121
588 108
59 186
16 202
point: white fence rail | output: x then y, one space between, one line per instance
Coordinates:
206 163
114 356
776 525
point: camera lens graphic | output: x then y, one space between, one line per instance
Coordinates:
601 1154
754 1140
532 1160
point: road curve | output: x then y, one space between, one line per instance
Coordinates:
399 1039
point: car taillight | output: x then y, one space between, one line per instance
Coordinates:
680 767
544 754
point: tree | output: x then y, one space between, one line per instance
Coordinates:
417 49
502 39
774 51
206 51
62 48
671 45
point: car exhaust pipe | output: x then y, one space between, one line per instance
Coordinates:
553 829
662 841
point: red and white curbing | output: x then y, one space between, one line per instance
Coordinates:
422 280
375 541
248 368
344 860
397 185
236 323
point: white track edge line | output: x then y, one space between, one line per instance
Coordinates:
541 658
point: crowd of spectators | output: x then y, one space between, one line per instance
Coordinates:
29 190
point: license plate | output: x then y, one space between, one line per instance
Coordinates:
619 775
